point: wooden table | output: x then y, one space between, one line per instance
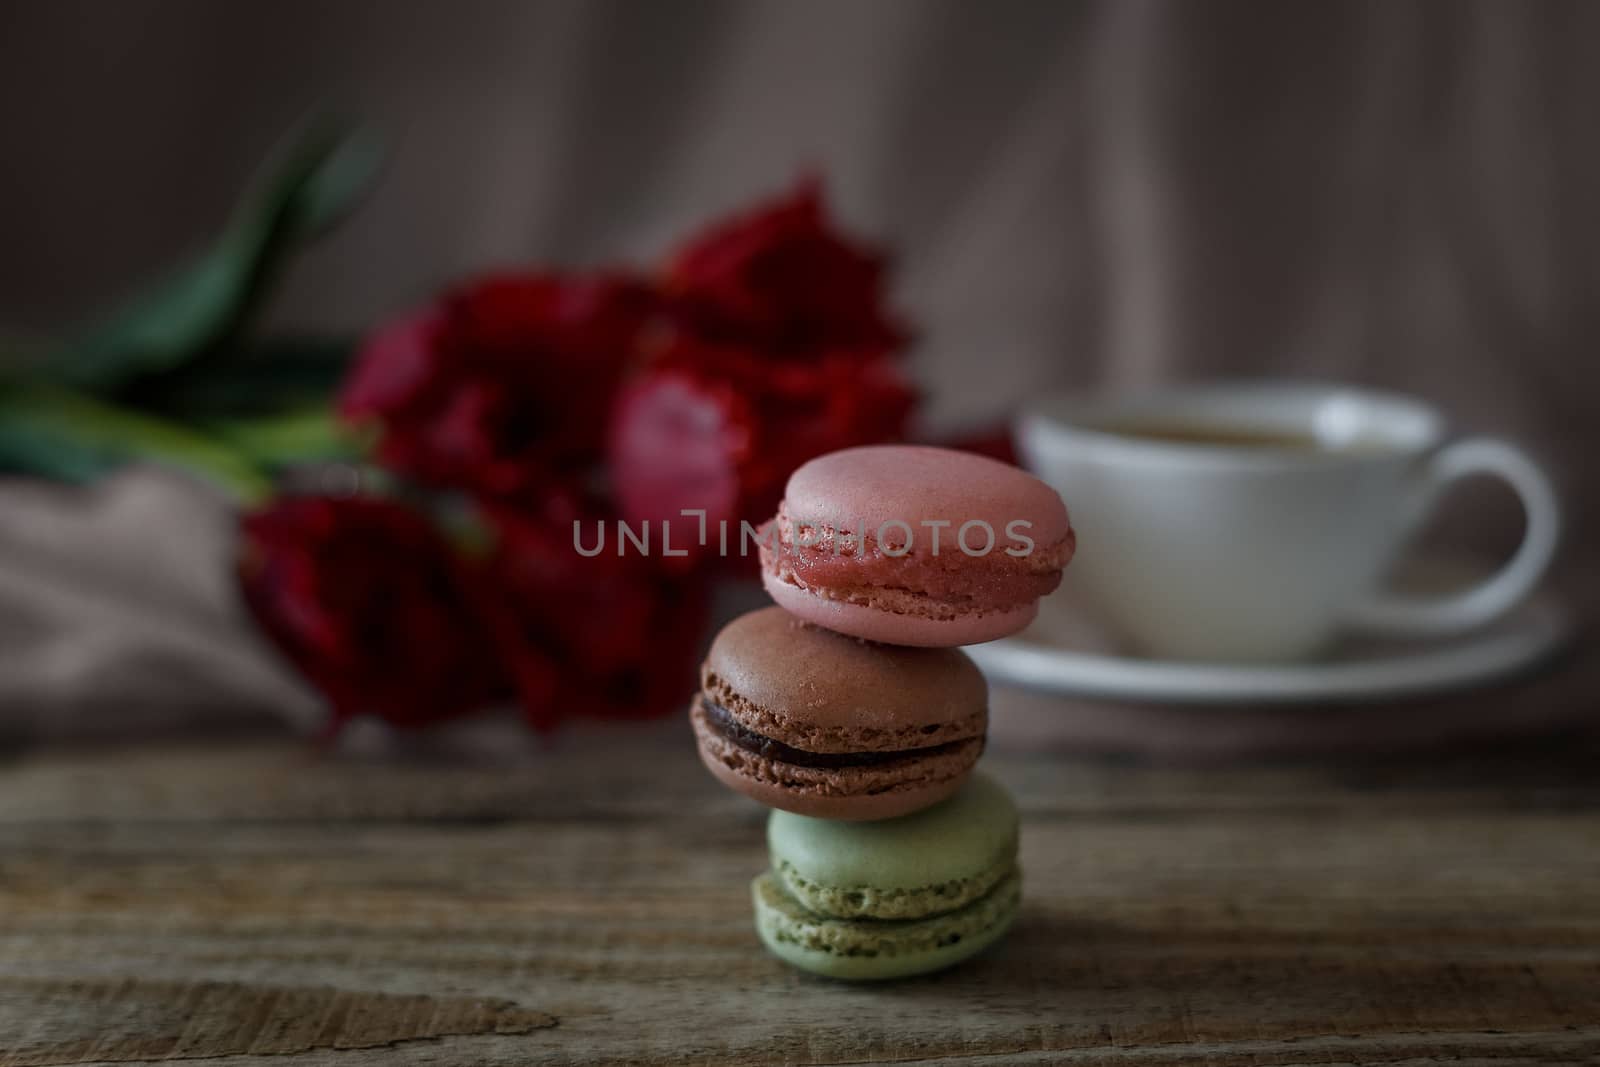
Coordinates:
254 902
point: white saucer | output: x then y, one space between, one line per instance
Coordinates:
1051 656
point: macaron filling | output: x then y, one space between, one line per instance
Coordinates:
724 725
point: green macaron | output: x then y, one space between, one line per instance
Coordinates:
895 897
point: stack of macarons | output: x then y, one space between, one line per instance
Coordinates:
850 710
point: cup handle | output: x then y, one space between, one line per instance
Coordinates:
1410 615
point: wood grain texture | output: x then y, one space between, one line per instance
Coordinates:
73 1021
255 902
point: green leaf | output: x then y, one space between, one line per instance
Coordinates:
264 378
290 439
60 433
337 184
313 183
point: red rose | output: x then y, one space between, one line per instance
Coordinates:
781 281
607 635
685 440
681 441
504 383
716 431
367 600
779 347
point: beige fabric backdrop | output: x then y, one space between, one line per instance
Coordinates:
1388 192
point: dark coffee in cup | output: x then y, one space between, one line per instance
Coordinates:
1236 435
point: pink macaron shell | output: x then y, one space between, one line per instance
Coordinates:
895 628
912 483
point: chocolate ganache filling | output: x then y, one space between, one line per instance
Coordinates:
731 730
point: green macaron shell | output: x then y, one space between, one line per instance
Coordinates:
896 897
870 949
868 902
933 861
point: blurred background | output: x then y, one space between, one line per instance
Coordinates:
1074 194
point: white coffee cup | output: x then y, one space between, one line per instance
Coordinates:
1265 550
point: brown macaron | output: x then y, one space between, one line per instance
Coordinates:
817 723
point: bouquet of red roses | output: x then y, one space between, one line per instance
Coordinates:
520 406
475 437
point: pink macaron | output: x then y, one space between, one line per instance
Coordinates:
910 545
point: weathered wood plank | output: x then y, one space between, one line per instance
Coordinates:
128 1019
246 900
